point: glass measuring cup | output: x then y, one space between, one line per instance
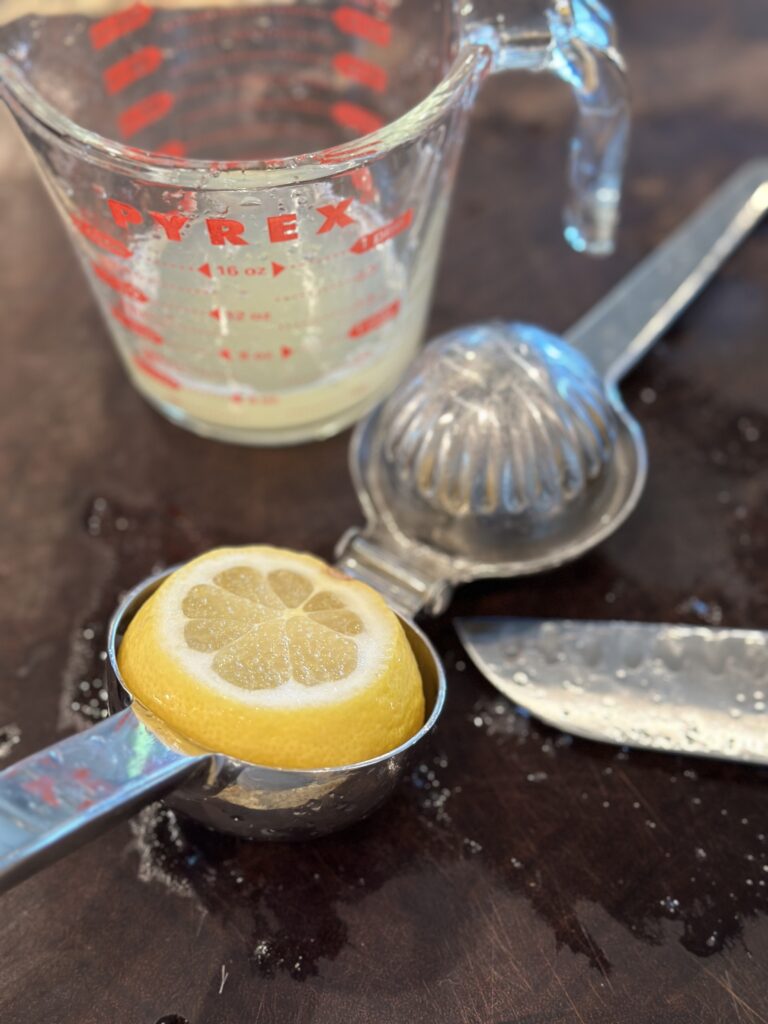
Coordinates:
254 295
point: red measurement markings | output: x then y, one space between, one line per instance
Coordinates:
243 354
143 361
365 72
238 315
99 237
276 269
363 182
375 321
115 26
358 119
44 788
339 254
384 233
342 154
255 399
93 787
231 271
174 147
130 291
132 69
136 326
362 26
145 112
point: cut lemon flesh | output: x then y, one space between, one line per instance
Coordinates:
274 657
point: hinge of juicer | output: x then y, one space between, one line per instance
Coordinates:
407 581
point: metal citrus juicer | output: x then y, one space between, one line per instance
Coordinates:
505 452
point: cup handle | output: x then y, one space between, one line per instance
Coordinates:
575 40
56 799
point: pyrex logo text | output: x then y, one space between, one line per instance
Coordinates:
227 231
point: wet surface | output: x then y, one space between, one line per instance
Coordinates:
10 735
518 874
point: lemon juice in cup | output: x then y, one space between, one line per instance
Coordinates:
261 347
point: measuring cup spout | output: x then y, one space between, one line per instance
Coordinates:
576 41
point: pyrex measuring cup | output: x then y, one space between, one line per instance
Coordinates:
254 295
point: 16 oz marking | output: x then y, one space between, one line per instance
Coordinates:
231 271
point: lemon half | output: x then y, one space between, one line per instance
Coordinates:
274 657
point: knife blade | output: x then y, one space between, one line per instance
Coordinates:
681 689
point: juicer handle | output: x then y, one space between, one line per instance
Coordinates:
621 328
58 798
411 581
575 40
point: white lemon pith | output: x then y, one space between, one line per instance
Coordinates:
276 658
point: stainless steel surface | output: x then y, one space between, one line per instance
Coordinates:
529 464
681 689
531 461
57 799
535 424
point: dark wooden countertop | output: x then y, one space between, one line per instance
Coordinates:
518 876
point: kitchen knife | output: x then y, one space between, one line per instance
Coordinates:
682 689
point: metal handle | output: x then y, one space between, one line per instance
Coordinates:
621 328
410 585
57 799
